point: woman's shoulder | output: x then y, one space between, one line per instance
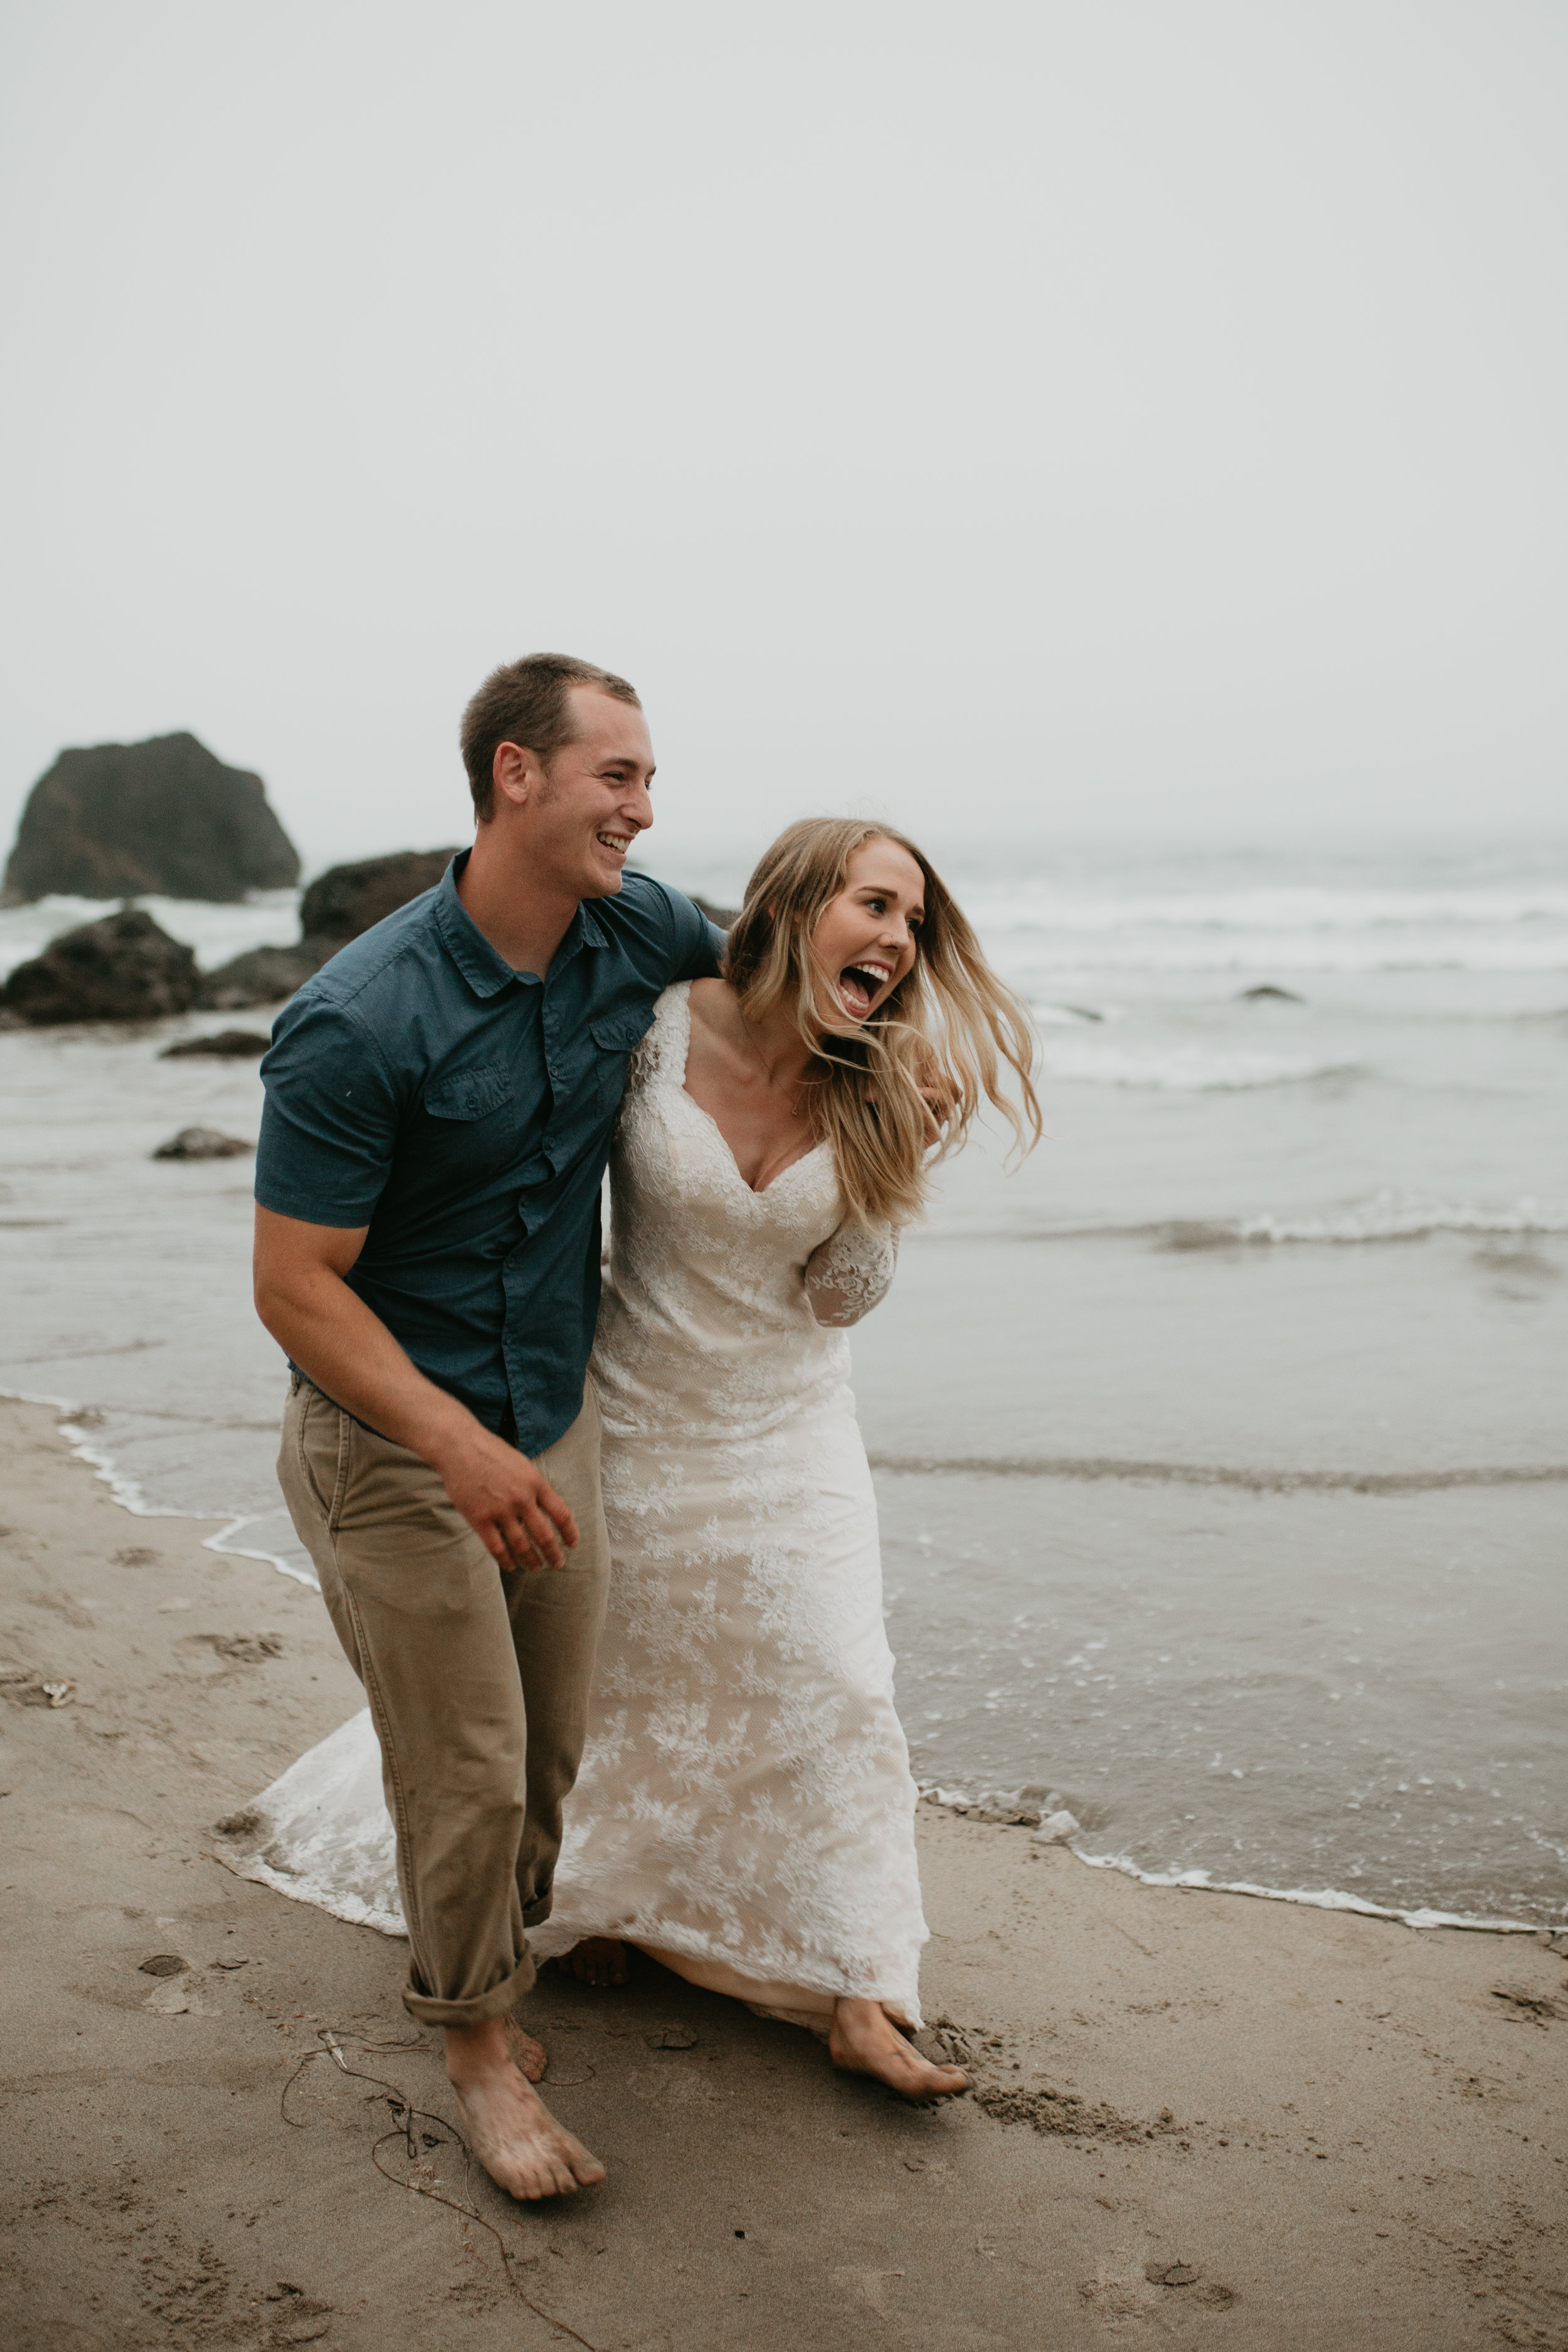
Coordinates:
706 999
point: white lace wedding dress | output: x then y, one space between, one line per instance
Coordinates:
745 1810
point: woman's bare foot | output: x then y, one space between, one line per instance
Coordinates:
865 2040
596 1960
528 2056
511 2131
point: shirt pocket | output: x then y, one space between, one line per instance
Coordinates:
469 1094
616 1038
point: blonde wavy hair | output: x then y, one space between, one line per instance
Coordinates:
947 1027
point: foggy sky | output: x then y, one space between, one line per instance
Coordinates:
1018 419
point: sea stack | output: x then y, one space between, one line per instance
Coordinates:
164 817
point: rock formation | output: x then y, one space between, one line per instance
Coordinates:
224 1045
123 820
202 1143
338 905
347 899
262 976
122 968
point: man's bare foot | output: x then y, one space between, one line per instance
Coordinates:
596 1960
511 2130
865 2040
529 2056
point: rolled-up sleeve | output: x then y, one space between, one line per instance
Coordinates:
330 1119
696 946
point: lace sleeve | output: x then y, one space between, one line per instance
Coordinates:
851 1272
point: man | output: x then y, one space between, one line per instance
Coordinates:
439 1103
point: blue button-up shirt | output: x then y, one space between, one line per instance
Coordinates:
462 1111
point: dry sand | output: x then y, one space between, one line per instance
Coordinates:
1200 2119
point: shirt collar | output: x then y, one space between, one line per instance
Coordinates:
485 973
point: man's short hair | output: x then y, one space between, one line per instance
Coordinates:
528 702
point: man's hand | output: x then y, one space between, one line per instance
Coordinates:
305 1303
515 1512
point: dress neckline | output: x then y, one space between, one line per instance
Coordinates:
681 1054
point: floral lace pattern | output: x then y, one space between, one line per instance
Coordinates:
745 1797
852 1272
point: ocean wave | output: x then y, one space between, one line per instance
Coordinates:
1040 951
1180 1069
1315 1898
1270 910
1400 1216
1385 1217
997 1804
1250 1479
77 1424
215 930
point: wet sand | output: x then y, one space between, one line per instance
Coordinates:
1199 2118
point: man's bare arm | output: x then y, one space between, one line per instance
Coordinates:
350 1354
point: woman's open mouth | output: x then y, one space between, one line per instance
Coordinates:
860 984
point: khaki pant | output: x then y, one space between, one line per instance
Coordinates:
478 1681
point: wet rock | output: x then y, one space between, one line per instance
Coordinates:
1057 1828
121 820
202 1143
262 976
224 1045
125 967
347 899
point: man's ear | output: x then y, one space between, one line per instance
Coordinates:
514 771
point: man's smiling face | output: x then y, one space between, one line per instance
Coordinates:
585 809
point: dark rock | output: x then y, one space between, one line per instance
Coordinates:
122 968
202 1143
162 1964
347 899
1269 994
262 976
725 917
123 819
226 1046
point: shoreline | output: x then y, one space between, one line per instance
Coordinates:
1260 2123
74 1422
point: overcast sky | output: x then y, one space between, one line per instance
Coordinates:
1075 416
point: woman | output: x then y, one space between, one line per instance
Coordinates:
745 1812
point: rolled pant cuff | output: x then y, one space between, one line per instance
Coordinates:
498 2002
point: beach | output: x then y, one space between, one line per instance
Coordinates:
1198 2117
1220 1447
